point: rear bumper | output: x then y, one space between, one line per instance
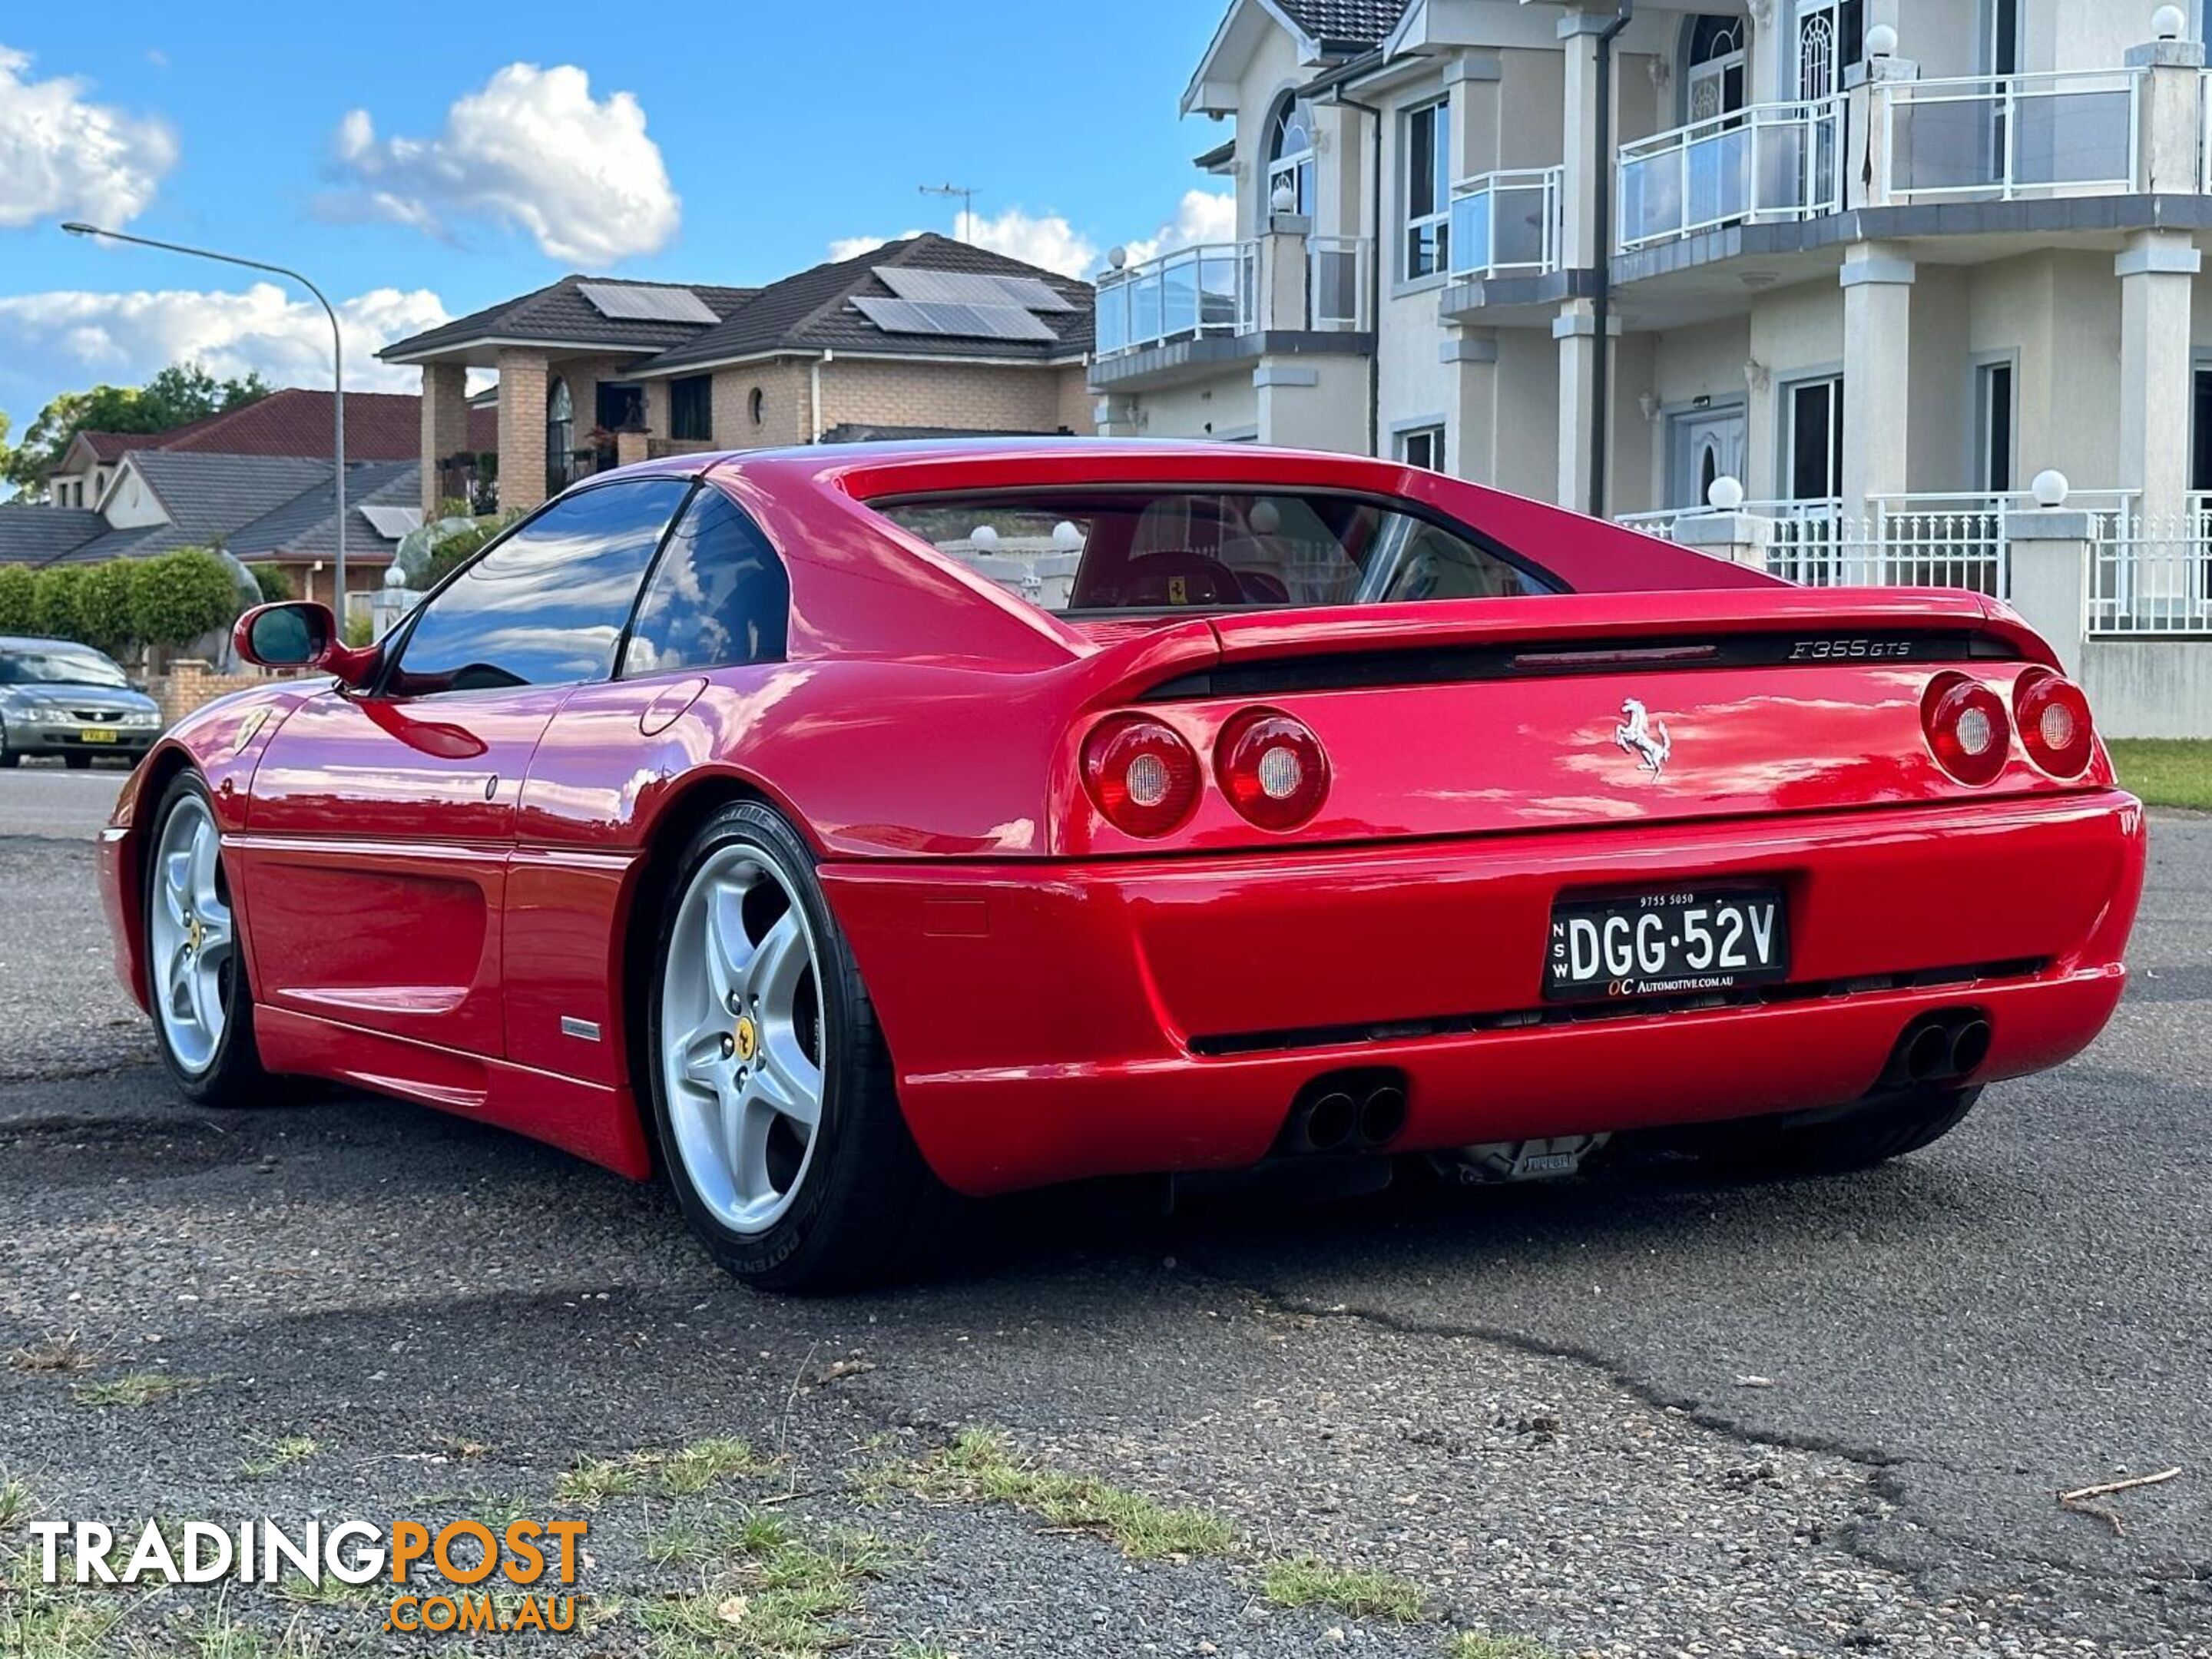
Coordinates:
1054 1021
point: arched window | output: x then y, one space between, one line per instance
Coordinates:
1717 67
559 434
1291 158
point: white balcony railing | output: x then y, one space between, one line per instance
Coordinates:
1506 224
1765 162
1211 289
1339 297
2006 137
2154 579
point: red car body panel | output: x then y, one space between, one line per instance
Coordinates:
434 894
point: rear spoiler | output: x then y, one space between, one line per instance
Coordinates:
1685 629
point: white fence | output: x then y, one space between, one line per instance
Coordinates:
2153 581
1211 289
2004 137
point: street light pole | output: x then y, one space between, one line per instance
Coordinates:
337 362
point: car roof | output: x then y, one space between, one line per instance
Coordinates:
38 642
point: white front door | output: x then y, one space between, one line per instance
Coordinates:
1707 444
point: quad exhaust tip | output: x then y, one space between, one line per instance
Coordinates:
1942 1047
1345 1112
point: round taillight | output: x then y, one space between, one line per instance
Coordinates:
1140 773
2054 723
1968 728
1272 768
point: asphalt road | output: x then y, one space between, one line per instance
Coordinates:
1637 1413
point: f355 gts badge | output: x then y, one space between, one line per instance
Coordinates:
1639 735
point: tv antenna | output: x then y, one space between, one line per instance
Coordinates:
966 225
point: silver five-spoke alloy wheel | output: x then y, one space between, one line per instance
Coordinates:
194 944
742 1037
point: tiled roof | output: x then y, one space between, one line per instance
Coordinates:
33 535
380 426
813 310
1346 22
207 496
557 313
307 525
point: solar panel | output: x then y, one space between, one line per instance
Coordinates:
970 288
636 303
979 322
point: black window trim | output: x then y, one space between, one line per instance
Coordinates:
1403 505
404 636
700 486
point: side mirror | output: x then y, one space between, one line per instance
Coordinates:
300 634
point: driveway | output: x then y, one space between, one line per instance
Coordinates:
1637 1413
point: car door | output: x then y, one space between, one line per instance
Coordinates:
377 836
709 635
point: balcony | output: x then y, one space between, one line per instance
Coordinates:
1319 285
2013 137
1762 164
1506 224
1211 289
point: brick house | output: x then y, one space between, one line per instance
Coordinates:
923 335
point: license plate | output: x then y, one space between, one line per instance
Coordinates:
97 734
1675 943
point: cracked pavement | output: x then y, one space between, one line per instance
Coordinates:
1638 1414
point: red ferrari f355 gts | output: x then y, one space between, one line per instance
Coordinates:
835 826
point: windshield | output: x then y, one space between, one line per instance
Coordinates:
58 668
1148 550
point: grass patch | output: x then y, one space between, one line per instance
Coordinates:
979 1468
781 1601
280 1454
682 1472
38 1622
1305 1580
2166 771
50 1354
17 1505
1474 1644
688 1543
133 1390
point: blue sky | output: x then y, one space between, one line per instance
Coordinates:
761 137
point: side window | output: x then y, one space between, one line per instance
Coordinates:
719 597
546 605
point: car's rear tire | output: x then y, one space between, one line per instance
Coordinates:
756 1022
77 762
195 979
1867 1135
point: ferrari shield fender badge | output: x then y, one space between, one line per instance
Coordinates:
1639 735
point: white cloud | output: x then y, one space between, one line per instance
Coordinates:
73 338
63 157
1051 241
533 149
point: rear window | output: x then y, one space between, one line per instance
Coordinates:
1157 550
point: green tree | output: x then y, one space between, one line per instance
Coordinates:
53 601
106 606
180 393
18 608
177 596
274 584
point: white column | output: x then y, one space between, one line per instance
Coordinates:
1471 360
2158 274
1877 374
1579 33
2050 554
1576 330
2172 98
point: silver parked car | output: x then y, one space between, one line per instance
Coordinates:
58 697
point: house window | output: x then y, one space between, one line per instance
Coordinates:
1716 80
1423 446
619 406
560 434
757 405
1831 36
1426 152
1993 427
1812 461
1291 158
691 407
2001 35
